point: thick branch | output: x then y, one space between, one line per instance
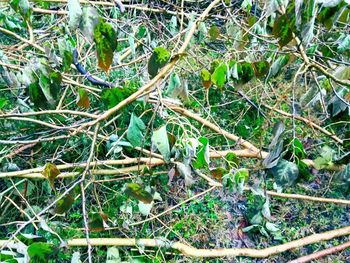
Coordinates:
206 253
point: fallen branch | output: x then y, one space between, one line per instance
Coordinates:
205 253
312 124
306 197
215 128
322 253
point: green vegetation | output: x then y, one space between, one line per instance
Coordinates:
166 126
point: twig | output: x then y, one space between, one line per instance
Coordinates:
309 122
175 206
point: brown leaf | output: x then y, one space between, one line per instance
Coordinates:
51 172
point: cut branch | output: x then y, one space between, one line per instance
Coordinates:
322 253
205 253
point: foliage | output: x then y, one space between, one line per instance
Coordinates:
200 117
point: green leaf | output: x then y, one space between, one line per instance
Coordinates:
241 177
232 160
135 131
298 148
158 59
160 140
112 97
136 191
202 154
74 14
51 172
285 173
40 252
325 159
83 99
219 75
23 7
106 42
214 32
3 102
64 204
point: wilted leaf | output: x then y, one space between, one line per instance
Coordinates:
145 209
174 87
66 52
283 30
106 42
136 191
113 255
342 72
278 64
131 40
241 175
343 159
95 223
202 154
90 19
206 78
344 175
51 172
274 155
64 204
261 68
271 227
76 257
277 130
285 172
160 140
43 91
135 130
186 172
214 32
40 252
74 13
219 75
83 99
218 173
158 59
